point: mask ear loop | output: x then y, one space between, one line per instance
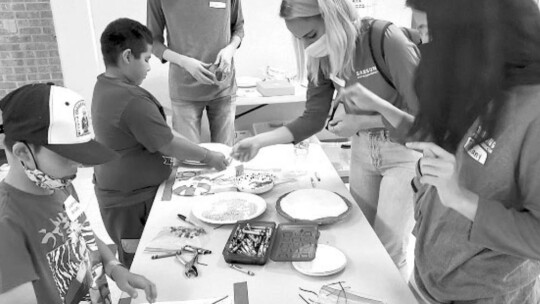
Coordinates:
33 157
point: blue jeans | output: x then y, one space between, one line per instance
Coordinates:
380 182
187 119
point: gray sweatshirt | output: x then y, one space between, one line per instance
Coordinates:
402 58
496 257
197 29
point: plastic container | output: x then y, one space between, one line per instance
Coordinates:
286 243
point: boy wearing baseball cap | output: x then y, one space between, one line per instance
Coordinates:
129 120
48 252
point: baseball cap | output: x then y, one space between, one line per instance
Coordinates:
53 117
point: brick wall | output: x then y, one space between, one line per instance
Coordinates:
28 47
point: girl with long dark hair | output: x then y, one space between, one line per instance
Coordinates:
478 183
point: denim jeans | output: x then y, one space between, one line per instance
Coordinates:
187 119
380 182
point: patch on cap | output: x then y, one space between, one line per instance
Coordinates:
82 121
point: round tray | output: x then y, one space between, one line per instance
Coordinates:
320 221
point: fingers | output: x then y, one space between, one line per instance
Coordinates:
204 76
429 149
151 292
126 287
141 282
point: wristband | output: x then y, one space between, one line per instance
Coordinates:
110 266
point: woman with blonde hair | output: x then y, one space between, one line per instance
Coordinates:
336 41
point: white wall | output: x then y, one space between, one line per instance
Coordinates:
80 23
267 42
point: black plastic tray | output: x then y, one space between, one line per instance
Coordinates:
288 243
295 242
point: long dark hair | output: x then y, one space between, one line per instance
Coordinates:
479 50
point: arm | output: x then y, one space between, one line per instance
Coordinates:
493 225
155 20
17 270
402 57
318 102
509 230
156 23
237 23
182 148
145 122
225 55
125 280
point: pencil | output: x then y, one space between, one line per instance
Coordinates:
166 255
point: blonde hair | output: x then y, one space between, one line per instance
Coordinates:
342 26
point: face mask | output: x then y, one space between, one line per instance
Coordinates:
318 48
43 180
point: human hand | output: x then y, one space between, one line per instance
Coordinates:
198 70
130 282
216 160
224 59
438 168
356 97
345 125
246 149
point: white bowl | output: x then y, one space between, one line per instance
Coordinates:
255 182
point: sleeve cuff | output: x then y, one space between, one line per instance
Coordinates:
478 233
158 50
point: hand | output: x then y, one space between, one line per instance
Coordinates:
344 126
224 59
246 149
438 168
216 160
198 70
130 282
359 98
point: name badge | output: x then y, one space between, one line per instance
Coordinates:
214 4
73 208
478 154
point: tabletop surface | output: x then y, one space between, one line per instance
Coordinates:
251 97
369 270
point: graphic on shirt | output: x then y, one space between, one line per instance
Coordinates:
366 72
479 151
168 161
74 259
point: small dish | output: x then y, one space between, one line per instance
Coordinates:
255 182
328 261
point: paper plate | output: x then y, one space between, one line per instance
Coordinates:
229 207
316 205
217 147
255 182
328 260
